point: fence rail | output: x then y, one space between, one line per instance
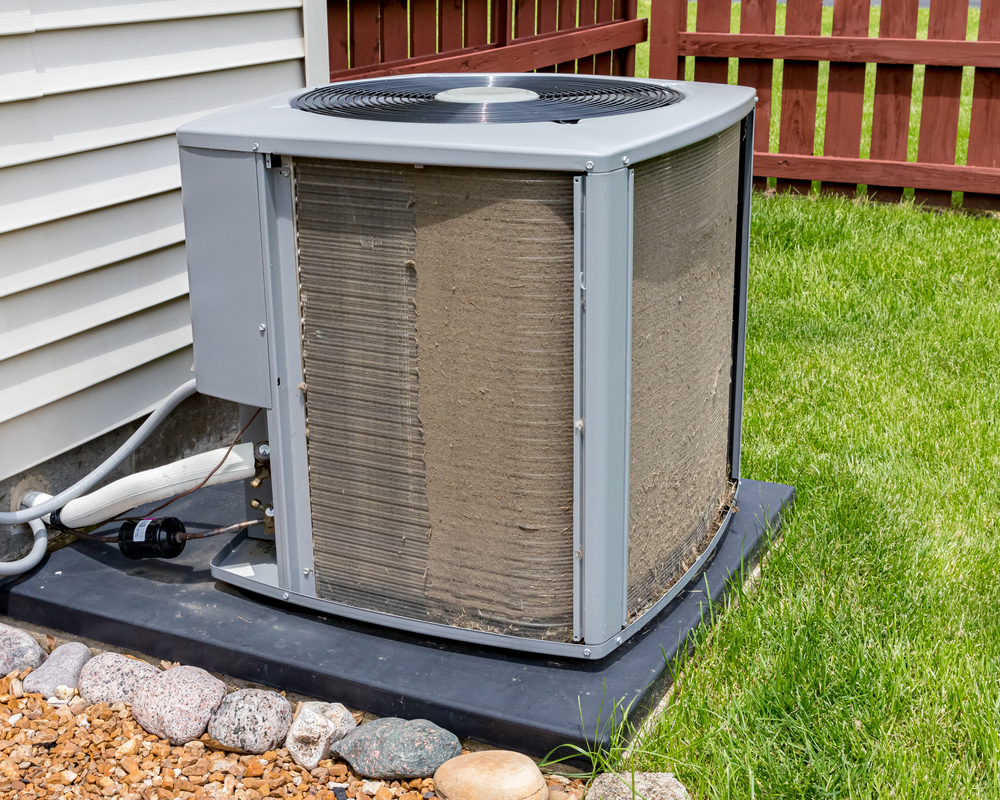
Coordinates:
895 51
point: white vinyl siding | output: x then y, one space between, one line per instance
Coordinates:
94 318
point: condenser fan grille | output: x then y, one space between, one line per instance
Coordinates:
560 98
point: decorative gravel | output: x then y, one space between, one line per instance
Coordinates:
98 751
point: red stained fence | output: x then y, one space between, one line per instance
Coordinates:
934 175
371 38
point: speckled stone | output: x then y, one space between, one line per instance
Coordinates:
490 775
397 749
177 704
61 668
315 727
18 650
650 785
112 678
251 720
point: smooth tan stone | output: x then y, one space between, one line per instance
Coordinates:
490 775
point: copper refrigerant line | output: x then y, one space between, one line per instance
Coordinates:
183 537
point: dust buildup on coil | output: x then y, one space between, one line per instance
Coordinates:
682 304
437 335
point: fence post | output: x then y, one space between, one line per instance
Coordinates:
667 18
984 145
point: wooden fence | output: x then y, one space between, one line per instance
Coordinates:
934 175
370 38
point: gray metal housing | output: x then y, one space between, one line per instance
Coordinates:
238 211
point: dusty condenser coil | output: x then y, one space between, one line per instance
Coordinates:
497 325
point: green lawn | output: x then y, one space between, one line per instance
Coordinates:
867 661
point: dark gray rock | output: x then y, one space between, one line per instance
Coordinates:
18 650
251 720
397 749
112 678
61 668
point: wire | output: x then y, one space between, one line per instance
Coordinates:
186 536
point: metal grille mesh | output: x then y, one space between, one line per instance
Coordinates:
437 340
562 98
684 245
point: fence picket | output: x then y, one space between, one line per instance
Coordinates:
524 18
337 33
942 90
392 18
713 16
624 61
588 16
567 21
893 86
797 133
364 32
423 28
605 13
477 23
846 93
984 144
450 25
548 21
757 16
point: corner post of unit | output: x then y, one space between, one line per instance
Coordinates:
605 315
742 268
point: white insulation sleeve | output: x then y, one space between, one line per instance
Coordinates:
158 484
30 561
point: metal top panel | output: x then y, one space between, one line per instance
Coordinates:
272 125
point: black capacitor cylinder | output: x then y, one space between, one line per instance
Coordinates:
151 538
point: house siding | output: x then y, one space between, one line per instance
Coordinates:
94 318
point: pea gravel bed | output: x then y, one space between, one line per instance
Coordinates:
99 751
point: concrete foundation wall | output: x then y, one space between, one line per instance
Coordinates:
200 423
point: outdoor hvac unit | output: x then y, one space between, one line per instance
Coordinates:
497 325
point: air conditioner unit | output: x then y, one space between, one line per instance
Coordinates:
497 325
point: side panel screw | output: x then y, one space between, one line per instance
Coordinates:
590 165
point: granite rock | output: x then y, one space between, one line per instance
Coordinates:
112 678
61 668
397 749
18 650
177 704
490 775
251 720
315 727
650 785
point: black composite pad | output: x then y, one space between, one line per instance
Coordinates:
175 610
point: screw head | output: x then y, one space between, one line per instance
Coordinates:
586 653
264 449
262 327
256 147
618 640
625 160
284 173
305 571
284 595
590 165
